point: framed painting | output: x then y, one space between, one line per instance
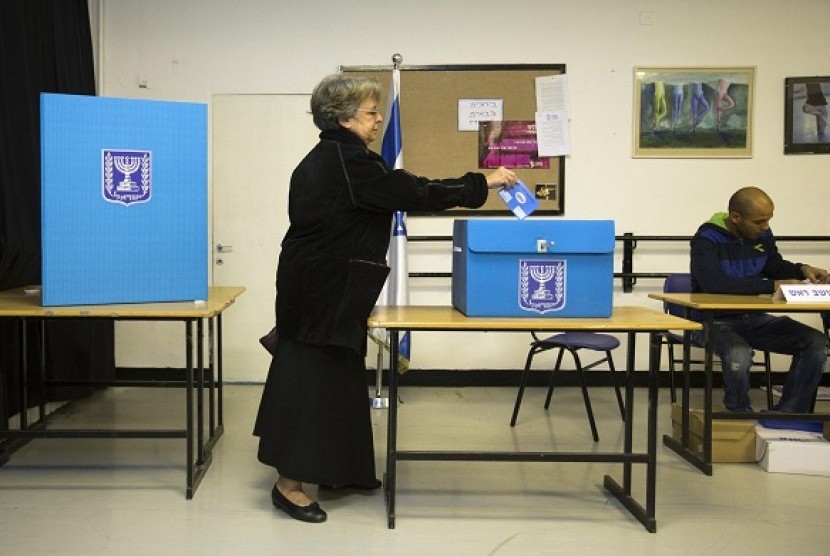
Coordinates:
805 115
693 112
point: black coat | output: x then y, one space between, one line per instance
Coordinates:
332 266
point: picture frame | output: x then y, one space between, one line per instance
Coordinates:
693 112
805 115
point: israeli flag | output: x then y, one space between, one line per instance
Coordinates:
392 148
396 290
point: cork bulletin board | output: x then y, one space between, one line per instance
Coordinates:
434 147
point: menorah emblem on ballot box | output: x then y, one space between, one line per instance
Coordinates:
118 169
534 276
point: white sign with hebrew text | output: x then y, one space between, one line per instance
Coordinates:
806 293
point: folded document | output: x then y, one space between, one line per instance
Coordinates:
519 200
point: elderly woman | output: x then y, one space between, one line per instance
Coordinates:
313 422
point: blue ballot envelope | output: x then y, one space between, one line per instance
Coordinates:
519 199
533 268
123 200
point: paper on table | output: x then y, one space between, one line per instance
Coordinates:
803 293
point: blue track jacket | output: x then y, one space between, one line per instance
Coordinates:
721 262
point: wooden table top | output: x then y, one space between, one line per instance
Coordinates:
731 302
26 302
432 317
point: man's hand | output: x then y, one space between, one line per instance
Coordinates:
815 275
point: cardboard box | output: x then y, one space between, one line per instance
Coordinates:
790 451
733 441
123 200
533 268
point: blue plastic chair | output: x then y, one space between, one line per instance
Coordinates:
682 283
572 342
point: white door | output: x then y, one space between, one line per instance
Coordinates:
257 142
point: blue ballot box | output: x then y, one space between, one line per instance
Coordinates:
123 200
533 268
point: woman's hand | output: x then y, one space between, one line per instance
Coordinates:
501 176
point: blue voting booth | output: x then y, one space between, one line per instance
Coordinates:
124 200
533 268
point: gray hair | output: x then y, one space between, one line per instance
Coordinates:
338 96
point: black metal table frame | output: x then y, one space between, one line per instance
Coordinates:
198 380
703 461
645 515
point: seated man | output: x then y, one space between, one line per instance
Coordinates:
735 253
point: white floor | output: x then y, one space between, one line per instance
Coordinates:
126 496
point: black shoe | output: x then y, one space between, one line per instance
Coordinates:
351 486
312 513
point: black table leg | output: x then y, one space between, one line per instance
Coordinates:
682 447
189 406
392 428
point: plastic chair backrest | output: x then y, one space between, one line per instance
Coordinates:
676 283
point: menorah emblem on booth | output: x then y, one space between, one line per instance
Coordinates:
118 170
542 285
127 165
542 275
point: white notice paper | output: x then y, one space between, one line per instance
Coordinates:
471 111
552 113
552 136
552 93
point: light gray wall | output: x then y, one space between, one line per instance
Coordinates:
193 49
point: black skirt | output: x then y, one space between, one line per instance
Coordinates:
314 422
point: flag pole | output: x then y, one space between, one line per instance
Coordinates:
379 401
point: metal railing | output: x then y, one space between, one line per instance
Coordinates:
630 243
